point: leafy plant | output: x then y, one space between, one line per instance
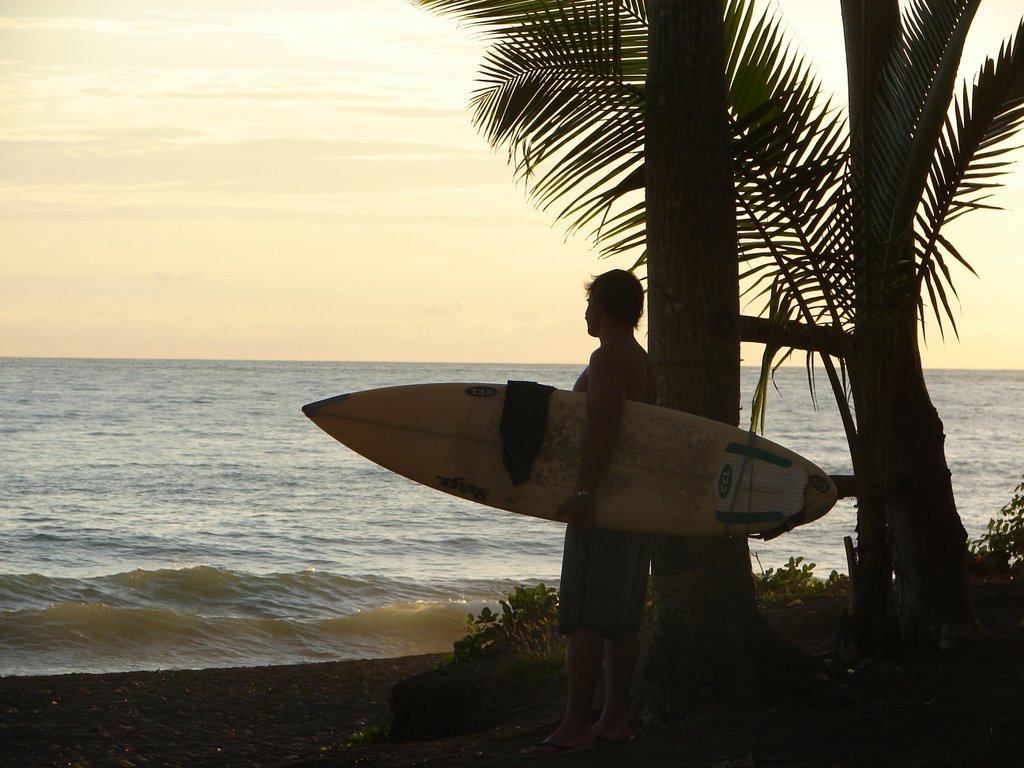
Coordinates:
365 736
1005 533
796 579
526 624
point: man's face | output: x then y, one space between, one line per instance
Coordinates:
593 317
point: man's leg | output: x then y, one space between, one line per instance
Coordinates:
620 660
584 653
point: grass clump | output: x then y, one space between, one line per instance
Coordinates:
527 624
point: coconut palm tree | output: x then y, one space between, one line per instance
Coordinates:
568 99
921 158
843 241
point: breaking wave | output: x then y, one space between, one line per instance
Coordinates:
203 617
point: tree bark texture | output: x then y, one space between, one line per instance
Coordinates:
870 30
933 601
705 624
691 230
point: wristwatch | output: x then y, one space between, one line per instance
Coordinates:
583 497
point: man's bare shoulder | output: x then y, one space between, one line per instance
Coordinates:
603 358
625 362
609 361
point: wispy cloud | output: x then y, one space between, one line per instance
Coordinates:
282 166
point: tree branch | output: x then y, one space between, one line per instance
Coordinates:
846 486
825 339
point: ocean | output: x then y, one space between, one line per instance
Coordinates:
185 514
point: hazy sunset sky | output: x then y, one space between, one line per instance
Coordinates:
300 179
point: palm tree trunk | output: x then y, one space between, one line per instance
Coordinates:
870 30
705 623
933 603
867 625
908 525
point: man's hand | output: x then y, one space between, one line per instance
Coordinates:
579 511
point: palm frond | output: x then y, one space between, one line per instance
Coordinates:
791 204
790 159
562 90
968 161
916 87
498 17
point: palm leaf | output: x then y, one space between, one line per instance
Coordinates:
969 160
500 16
916 88
563 92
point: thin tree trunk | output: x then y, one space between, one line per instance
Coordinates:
907 519
870 30
867 626
933 603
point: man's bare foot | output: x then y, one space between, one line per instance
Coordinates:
561 742
549 748
611 733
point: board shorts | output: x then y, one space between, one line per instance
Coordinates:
604 581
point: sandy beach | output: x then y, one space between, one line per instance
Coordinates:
960 708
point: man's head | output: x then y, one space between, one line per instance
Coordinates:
620 294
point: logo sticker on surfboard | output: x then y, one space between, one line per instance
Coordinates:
724 481
819 483
462 487
481 391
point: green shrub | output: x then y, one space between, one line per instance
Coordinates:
527 624
1005 533
796 579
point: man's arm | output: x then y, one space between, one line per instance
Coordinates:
606 399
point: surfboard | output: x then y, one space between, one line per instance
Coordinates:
671 472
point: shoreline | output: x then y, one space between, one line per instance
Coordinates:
960 707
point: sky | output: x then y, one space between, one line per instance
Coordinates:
301 180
